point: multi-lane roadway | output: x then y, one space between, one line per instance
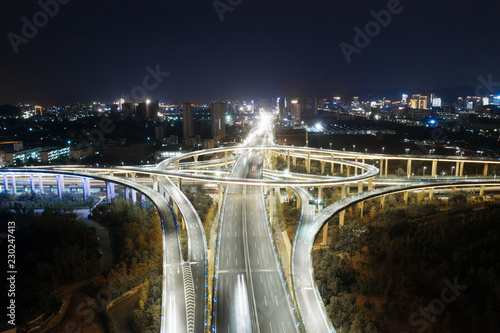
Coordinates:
251 294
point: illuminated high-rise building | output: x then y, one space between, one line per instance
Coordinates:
436 102
218 119
295 112
404 99
282 108
422 102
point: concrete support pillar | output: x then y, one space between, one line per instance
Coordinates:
294 159
485 171
155 182
176 165
298 201
370 184
481 191
457 169
134 196
453 189
431 193
332 165
406 197
343 191
408 168
355 171
308 162
341 168
289 192
14 188
5 183
288 160
60 185
325 234
434 168
195 160
127 193
322 167
86 188
381 170
226 157
361 208
348 171
386 167
32 183
320 198
132 176
341 218
462 164
348 189
40 184
382 202
110 191
360 187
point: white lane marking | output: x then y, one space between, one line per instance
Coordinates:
265 299
276 300
271 327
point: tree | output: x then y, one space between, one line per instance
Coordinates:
400 172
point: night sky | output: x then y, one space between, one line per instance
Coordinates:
98 50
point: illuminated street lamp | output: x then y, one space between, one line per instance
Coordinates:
366 150
407 150
423 174
383 148
452 168
353 147
307 143
330 145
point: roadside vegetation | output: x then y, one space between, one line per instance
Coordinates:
386 272
52 249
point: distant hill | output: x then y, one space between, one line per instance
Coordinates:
9 110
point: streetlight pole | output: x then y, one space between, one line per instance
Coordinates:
423 174
330 146
383 148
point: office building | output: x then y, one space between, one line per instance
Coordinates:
187 120
295 112
218 120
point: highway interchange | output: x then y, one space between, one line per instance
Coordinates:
251 294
